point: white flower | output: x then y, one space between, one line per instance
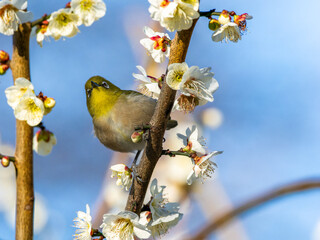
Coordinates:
149 86
175 74
14 93
30 109
124 175
83 224
41 32
123 226
63 23
229 31
199 83
177 15
12 14
164 214
203 167
192 142
157 44
88 10
43 142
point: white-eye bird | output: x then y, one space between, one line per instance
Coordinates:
116 113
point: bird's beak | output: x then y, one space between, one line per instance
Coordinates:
94 84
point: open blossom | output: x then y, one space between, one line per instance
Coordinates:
12 14
229 31
176 15
202 167
195 84
123 226
43 142
149 85
162 215
124 175
88 10
30 109
83 224
199 83
14 93
175 74
63 23
192 142
157 44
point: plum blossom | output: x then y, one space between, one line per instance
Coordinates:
149 85
12 14
202 167
192 142
43 142
83 224
174 15
163 215
124 175
88 10
123 226
63 23
157 44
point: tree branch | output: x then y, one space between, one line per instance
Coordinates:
279 192
24 133
153 149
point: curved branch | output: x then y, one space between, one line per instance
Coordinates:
278 192
153 149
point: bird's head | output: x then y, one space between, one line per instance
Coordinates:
101 96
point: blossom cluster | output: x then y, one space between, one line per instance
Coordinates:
225 29
203 167
155 220
196 85
31 108
65 21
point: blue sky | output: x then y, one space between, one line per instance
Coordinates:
269 96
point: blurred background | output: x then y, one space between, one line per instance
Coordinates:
265 118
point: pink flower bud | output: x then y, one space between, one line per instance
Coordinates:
3 68
4 56
136 136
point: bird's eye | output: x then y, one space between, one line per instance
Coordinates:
89 92
105 85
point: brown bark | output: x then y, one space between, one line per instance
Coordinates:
24 133
152 152
228 216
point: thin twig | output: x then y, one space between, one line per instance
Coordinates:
278 192
40 20
11 159
153 149
174 153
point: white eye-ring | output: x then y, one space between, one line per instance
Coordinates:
105 85
89 92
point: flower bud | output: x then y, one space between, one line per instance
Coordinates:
4 56
3 68
136 136
43 142
5 162
48 103
214 24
